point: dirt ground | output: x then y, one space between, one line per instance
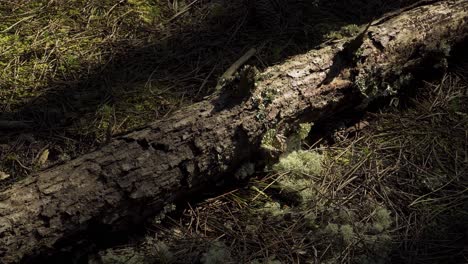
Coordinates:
388 185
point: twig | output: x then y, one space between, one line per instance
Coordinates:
181 12
18 22
241 61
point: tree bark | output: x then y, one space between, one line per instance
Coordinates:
135 175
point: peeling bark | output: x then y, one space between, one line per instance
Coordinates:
135 175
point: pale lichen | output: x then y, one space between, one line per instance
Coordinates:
271 141
300 162
245 170
218 253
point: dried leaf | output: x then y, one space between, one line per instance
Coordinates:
4 176
42 159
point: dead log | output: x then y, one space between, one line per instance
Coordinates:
135 175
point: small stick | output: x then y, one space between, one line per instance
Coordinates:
236 65
229 73
181 12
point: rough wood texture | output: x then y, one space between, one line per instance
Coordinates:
137 174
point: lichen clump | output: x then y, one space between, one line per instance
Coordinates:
300 162
218 253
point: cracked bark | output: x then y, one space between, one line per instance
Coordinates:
135 175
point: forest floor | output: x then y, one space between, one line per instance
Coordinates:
390 186
75 73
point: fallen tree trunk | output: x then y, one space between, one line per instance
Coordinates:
135 175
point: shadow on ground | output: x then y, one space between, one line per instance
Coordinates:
142 83
148 82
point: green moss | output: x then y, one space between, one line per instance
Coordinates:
148 10
106 113
121 256
346 31
347 232
268 95
270 260
332 229
272 209
218 9
311 220
456 105
157 251
62 41
139 106
381 220
296 183
270 140
294 141
218 253
246 170
299 190
262 100
304 130
169 208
